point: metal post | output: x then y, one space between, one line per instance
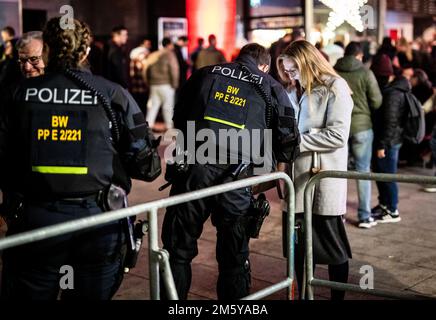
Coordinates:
153 248
291 237
308 211
308 232
167 275
308 18
381 17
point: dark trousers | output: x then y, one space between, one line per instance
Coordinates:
33 271
388 191
183 225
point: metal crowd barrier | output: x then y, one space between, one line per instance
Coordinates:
159 258
313 282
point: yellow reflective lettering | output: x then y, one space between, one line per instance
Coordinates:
54 135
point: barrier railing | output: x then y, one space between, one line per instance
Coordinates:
310 280
159 258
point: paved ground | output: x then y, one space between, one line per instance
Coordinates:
403 255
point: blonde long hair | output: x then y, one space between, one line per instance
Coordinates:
310 62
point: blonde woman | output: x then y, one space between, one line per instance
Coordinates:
323 110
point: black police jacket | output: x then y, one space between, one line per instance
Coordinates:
225 97
57 140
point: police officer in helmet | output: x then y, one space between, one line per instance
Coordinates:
222 102
72 138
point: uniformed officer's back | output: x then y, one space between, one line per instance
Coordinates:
225 102
72 140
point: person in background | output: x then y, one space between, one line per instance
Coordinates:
324 118
367 98
432 188
422 88
181 51
9 67
387 48
383 69
96 57
388 122
195 53
162 75
7 34
211 55
275 50
280 45
334 52
320 46
138 86
143 48
30 48
117 67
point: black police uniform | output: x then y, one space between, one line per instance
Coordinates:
203 100
60 154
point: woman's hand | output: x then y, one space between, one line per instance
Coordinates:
381 154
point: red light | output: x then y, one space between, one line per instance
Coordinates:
216 17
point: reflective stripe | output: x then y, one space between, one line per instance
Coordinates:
239 126
61 170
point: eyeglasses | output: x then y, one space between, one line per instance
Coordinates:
291 73
32 60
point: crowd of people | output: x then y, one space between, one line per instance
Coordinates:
335 105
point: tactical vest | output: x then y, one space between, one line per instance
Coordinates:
67 137
234 108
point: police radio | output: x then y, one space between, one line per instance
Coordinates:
106 104
260 90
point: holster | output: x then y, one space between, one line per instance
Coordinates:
115 198
176 171
139 230
258 212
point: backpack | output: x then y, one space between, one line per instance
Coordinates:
414 126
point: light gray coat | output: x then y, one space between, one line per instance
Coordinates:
324 127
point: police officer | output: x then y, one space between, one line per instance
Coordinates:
225 99
72 138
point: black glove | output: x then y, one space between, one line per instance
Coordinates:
143 160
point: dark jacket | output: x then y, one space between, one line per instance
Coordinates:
366 93
117 65
389 119
244 108
423 92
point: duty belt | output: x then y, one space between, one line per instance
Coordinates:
97 197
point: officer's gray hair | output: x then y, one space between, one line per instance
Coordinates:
28 37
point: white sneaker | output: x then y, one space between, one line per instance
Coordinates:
389 217
429 189
367 223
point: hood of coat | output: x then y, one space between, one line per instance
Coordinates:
401 84
348 64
